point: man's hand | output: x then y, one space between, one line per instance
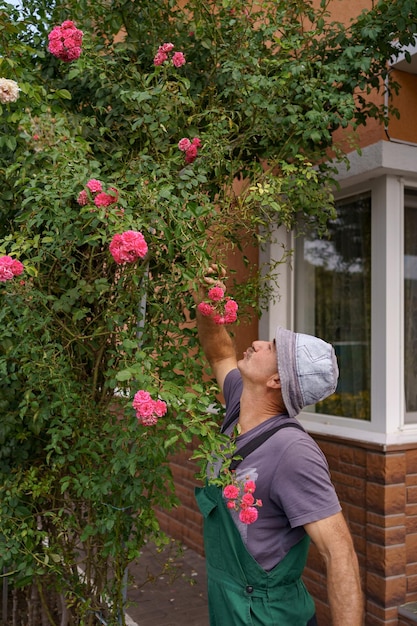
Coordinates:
213 277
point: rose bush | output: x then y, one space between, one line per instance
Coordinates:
113 212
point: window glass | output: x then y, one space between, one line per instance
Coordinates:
410 304
333 301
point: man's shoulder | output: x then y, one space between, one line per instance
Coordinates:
232 380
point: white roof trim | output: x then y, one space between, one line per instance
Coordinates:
400 62
379 159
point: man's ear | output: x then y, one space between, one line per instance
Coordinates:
274 382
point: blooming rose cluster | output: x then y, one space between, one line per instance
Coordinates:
65 41
221 308
148 410
243 501
190 148
177 58
9 90
128 247
9 268
94 193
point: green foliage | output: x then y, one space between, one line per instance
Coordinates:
263 88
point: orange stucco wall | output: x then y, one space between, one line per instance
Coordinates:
404 128
343 11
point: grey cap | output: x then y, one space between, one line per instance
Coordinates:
307 367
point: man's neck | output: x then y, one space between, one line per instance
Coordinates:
256 408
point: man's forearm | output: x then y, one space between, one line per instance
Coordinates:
345 594
216 342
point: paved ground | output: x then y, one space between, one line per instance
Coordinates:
169 588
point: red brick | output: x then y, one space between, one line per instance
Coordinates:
386 536
355 514
384 615
411 480
386 561
411 459
386 469
388 592
411 545
411 509
386 500
412 495
411 524
385 521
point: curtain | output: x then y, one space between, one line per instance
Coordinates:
338 306
410 304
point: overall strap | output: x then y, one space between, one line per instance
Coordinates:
259 440
231 419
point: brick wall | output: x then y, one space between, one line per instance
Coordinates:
185 522
377 489
378 492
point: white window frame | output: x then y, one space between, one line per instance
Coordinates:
385 169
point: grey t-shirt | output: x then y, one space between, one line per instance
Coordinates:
292 479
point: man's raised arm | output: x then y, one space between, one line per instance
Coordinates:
215 341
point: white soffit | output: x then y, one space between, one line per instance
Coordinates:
379 159
401 63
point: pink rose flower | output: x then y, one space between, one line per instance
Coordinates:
139 397
215 294
250 486
5 274
178 59
184 144
191 154
9 268
160 58
249 515
222 309
245 504
231 306
230 318
145 409
247 500
160 408
65 41
55 33
17 267
150 420
128 247
166 47
69 42
103 199
56 47
196 142
205 309
94 185
82 198
231 492
72 54
148 410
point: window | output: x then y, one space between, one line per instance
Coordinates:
333 301
410 305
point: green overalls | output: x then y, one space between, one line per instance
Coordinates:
240 592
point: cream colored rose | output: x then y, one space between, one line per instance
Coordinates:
9 90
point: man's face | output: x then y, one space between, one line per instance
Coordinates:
259 361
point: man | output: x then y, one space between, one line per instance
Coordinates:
254 569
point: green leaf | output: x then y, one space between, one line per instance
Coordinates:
124 375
